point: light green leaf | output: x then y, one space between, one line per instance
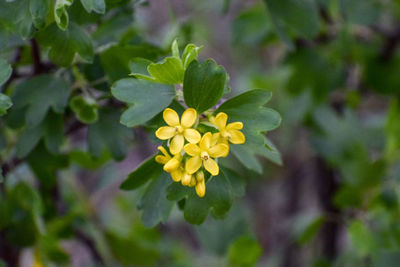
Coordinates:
65 44
87 161
38 95
362 239
148 170
175 49
257 119
107 134
156 208
190 53
5 71
61 14
86 110
5 103
145 99
203 84
138 67
245 251
168 71
15 16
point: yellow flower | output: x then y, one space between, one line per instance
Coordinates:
229 132
171 164
201 184
179 130
204 154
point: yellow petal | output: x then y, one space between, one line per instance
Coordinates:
186 179
192 136
237 137
215 139
205 141
172 165
211 166
165 132
171 117
189 118
201 189
219 150
192 181
193 164
162 159
177 175
220 120
192 150
235 126
200 176
176 144
164 151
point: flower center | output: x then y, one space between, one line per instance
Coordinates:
204 155
179 129
226 134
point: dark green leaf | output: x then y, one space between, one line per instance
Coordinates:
145 99
5 71
38 95
203 84
65 44
5 103
156 208
107 133
299 16
257 119
87 161
39 10
148 170
98 6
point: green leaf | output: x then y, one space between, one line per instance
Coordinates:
87 161
386 258
245 251
148 170
39 10
138 67
306 227
116 59
40 94
61 14
156 208
298 16
362 238
175 49
51 129
257 119
107 134
86 110
168 71
203 84
15 17
190 53
65 44
98 6
5 103
5 71
237 182
218 198
145 99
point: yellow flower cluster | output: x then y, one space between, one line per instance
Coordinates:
189 152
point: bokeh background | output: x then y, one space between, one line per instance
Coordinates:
330 198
